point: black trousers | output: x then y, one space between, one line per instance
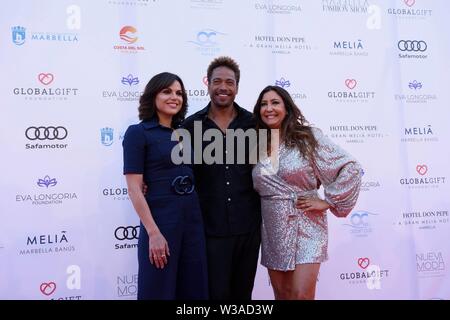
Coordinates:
232 263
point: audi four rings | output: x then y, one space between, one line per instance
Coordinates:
46 133
412 45
126 233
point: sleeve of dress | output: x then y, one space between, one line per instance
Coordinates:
339 173
134 150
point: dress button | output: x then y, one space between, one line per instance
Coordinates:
226 167
229 199
228 183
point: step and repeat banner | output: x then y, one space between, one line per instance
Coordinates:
373 75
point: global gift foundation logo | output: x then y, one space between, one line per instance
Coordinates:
47 195
351 93
45 89
47 288
199 94
50 243
50 289
359 223
279 43
409 10
412 49
349 48
422 179
416 93
115 193
356 133
424 133
365 273
131 92
129 40
430 219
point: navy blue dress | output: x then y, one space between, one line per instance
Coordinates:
175 208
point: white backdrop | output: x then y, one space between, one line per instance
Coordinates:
374 75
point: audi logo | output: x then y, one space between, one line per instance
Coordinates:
126 233
46 133
412 45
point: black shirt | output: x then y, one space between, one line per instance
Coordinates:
230 205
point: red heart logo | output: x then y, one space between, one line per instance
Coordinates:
45 78
350 83
48 288
363 262
421 169
205 80
410 3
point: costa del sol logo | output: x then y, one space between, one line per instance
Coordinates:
352 93
422 179
408 10
129 39
45 90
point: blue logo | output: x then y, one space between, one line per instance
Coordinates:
283 83
130 80
18 35
415 85
107 136
207 38
360 223
47 182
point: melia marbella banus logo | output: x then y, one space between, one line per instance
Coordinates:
50 243
424 133
349 48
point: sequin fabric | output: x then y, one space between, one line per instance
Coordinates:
290 236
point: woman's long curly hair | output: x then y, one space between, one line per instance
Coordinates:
295 130
147 105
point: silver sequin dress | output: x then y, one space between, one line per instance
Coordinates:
290 236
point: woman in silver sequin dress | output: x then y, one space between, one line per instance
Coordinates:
294 229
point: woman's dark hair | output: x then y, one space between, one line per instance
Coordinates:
295 129
147 106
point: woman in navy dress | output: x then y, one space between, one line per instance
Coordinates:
171 247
